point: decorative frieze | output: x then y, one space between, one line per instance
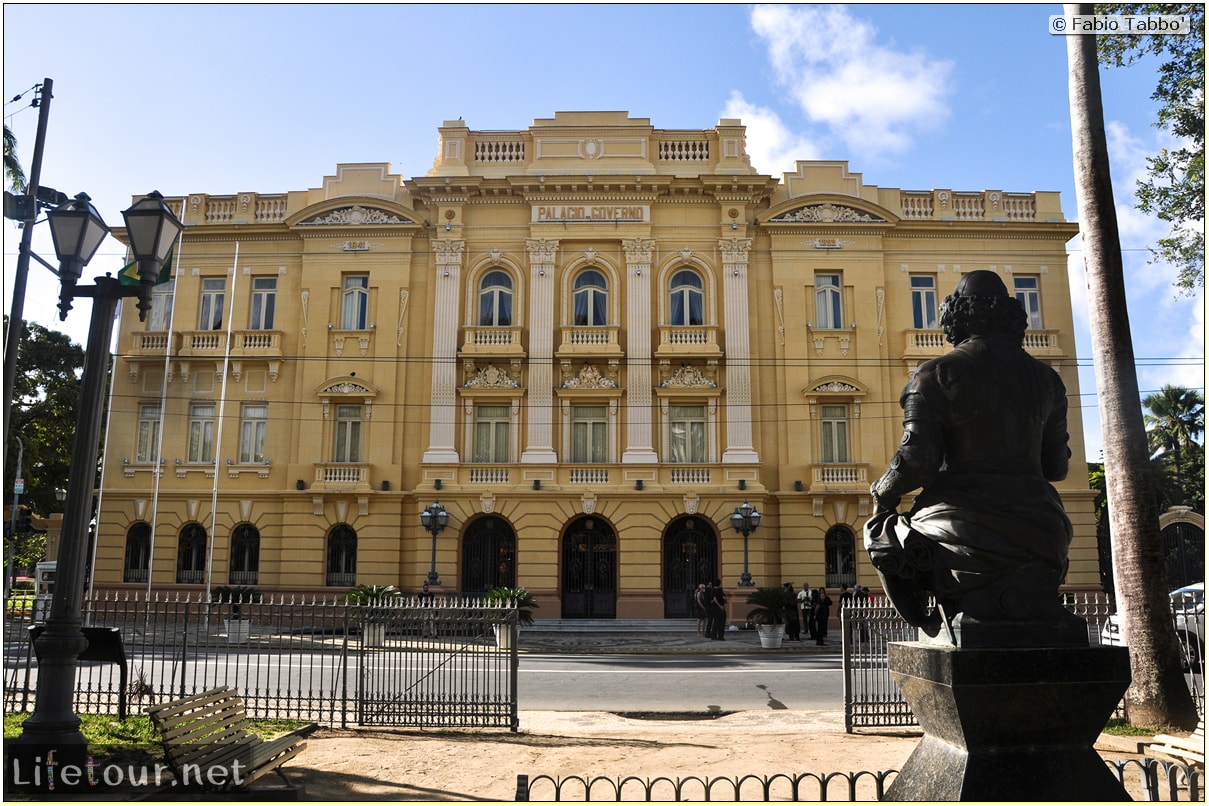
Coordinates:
825 213
354 216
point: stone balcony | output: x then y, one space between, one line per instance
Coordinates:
686 342
921 345
492 341
590 342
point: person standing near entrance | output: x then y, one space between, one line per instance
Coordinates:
806 605
699 603
822 614
717 613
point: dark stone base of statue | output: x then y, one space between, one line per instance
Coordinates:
1009 724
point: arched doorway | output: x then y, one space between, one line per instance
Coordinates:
488 555
589 584
690 557
840 546
1184 552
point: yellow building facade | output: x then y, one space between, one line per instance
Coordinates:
588 342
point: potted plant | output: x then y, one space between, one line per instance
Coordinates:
771 608
524 602
369 601
235 597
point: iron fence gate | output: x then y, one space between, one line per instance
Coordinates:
299 658
440 666
871 697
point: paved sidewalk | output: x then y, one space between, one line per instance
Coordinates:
736 642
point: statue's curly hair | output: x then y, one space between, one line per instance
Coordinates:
966 316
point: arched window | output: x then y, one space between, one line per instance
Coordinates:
495 300
342 557
245 555
591 299
191 555
840 547
138 553
687 303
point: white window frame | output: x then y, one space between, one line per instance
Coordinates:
160 318
151 417
354 302
1028 293
923 302
348 432
688 433
835 433
264 303
201 433
495 292
828 301
213 299
688 294
253 432
496 426
590 292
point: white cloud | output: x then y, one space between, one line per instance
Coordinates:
773 148
873 96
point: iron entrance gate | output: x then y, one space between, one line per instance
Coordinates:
690 557
438 666
589 570
871 697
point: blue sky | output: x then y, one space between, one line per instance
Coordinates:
222 99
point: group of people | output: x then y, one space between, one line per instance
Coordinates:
813 611
710 601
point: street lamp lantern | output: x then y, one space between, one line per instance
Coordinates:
745 520
152 229
434 519
78 230
60 494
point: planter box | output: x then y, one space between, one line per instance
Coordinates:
373 634
238 630
505 635
771 635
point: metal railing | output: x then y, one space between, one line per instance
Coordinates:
872 698
318 660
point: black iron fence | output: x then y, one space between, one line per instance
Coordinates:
412 663
872 698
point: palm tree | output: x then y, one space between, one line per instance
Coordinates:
1158 694
14 174
1176 418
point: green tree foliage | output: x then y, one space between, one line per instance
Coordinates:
46 396
1174 189
14 174
1175 419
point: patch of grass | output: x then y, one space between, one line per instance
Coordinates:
1121 727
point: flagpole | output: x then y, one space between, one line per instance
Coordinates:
222 405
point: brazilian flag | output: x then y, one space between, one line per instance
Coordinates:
129 275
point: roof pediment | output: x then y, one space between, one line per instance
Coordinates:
828 208
346 212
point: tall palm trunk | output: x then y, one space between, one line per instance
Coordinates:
1158 695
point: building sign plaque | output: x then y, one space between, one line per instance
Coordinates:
591 212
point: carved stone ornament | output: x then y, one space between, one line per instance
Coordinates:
688 377
826 213
346 388
835 387
588 503
491 377
354 216
589 378
487 503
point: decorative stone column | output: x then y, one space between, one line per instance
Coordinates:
639 414
539 449
448 280
739 448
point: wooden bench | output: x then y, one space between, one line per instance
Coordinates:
1190 750
208 745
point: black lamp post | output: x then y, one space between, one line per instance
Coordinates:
745 520
152 229
434 518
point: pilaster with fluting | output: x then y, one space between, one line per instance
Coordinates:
639 430
443 408
739 448
539 447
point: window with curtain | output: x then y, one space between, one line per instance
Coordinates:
687 303
201 433
213 297
253 427
829 312
492 426
687 424
923 301
264 302
148 433
161 306
495 300
1028 292
348 434
591 299
354 304
835 434
589 434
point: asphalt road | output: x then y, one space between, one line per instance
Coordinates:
698 683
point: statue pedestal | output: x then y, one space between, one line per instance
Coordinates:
1009 724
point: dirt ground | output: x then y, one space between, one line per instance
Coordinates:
465 765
